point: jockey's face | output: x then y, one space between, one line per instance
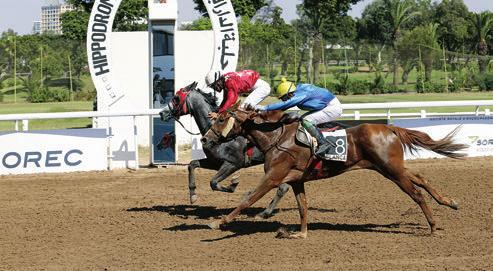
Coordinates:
286 97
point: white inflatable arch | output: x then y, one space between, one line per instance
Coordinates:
100 26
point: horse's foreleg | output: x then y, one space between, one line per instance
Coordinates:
423 183
265 186
299 192
281 191
204 163
225 170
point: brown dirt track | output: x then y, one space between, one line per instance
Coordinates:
142 221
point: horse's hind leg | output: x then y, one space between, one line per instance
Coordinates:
281 191
423 183
404 182
224 172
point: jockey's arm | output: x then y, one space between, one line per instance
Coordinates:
294 101
230 97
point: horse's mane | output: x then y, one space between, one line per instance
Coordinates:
209 98
273 116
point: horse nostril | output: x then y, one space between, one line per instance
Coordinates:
203 140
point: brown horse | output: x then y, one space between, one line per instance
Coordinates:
370 146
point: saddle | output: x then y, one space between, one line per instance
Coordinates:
337 138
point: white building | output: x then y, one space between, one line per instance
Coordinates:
36 27
51 16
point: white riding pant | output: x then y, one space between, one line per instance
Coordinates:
260 91
330 113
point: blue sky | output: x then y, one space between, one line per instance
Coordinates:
20 14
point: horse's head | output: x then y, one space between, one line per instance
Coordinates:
178 105
235 122
227 126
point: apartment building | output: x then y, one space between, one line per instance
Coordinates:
51 16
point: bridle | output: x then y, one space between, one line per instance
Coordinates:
180 108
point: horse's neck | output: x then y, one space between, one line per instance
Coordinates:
265 140
200 110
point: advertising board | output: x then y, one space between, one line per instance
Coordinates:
475 131
53 151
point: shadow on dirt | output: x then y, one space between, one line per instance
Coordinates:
207 212
245 227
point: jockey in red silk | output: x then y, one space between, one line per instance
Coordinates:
235 83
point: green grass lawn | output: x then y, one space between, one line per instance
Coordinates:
11 108
8 107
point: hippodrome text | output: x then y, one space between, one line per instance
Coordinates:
99 35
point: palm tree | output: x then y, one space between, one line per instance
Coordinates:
482 25
400 13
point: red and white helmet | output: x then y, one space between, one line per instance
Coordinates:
212 77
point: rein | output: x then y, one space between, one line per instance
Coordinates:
178 120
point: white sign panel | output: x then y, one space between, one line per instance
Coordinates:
53 151
476 132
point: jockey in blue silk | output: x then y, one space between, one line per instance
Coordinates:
321 104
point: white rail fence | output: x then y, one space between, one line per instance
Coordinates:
356 114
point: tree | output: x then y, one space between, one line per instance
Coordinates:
246 8
422 40
316 15
131 16
74 24
482 26
451 16
400 13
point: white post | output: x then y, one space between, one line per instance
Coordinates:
136 144
357 115
388 114
423 114
25 125
487 112
16 127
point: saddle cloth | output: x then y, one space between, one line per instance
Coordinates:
337 138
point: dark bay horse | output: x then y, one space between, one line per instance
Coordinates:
370 146
226 158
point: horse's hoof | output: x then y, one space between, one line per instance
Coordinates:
454 205
262 215
235 180
193 199
285 234
215 225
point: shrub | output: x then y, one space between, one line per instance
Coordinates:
485 81
1 97
44 95
346 86
359 87
429 87
85 95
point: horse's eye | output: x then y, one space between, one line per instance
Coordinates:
220 120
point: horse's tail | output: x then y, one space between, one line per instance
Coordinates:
412 139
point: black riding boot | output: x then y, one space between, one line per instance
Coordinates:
323 144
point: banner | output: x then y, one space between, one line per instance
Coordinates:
226 38
53 151
475 131
98 51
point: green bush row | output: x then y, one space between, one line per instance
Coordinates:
347 86
46 95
